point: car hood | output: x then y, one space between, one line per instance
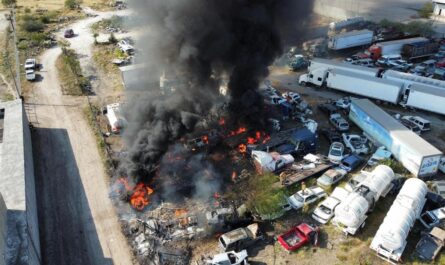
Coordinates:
318 212
294 202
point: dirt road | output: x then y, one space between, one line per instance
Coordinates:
78 223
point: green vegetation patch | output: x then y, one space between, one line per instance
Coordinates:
70 74
414 27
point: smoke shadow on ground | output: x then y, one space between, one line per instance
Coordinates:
67 231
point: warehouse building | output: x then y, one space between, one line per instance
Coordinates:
20 233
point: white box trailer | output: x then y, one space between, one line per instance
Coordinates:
409 79
417 155
367 86
426 98
390 240
327 64
351 213
350 39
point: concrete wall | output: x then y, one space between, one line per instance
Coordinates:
3 230
31 200
376 10
17 186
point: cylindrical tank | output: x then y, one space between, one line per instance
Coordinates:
351 211
378 180
400 218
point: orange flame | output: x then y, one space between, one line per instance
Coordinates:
205 139
180 212
242 148
222 122
139 198
233 176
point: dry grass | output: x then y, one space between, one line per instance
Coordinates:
102 56
67 79
60 4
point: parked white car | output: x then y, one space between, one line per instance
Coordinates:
336 152
325 210
125 46
30 75
305 197
293 97
339 122
331 177
343 103
356 143
230 258
380 154
30 64
423 124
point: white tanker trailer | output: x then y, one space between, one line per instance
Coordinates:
350 215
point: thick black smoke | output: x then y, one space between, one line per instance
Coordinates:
200 42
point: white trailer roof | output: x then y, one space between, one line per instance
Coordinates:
428 90
367 77
411 78
338 64
410 139
392 42
353 33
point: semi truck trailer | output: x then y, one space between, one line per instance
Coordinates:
350 39
390 240
417 155
391 47
426 98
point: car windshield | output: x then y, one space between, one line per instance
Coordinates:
325 179
335 152
344 125
298 198
325 209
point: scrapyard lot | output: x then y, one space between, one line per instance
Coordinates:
334 247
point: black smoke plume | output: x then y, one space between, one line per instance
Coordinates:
202 42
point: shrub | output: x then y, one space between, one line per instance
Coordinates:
426 10
71 4
27 10
8 2
32 25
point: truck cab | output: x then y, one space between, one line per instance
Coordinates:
316 77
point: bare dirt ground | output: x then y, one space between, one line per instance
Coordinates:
77 220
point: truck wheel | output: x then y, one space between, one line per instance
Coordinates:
302 83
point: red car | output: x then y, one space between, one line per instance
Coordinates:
441 63
299 236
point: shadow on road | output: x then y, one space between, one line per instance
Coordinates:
67 231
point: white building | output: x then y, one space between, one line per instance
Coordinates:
439 7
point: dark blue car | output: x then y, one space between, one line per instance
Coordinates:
351 162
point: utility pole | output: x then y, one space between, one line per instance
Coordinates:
17 83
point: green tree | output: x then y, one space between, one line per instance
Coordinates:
9 3
426 10
71 4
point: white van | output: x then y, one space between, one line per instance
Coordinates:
386 59
424 124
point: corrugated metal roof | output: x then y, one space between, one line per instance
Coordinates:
403 134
